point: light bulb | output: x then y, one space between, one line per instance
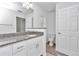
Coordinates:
27 5
24 5
30 5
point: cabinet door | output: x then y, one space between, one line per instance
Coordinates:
35 47
33 50
19 49
6 51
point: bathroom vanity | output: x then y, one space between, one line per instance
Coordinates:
22 44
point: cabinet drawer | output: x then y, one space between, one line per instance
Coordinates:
18 47
21 53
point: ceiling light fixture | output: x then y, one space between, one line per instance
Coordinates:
27 5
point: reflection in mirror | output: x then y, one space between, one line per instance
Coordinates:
20 24
10 12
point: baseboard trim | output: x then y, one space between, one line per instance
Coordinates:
62 54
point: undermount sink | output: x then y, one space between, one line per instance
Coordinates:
31 35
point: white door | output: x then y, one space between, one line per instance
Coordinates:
67 30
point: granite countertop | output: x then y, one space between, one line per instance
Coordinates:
6 39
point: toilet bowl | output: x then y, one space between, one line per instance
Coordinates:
51 40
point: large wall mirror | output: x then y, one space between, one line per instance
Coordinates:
13 17
20 24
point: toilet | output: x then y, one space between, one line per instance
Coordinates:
51 40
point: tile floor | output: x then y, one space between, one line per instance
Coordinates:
48 54
52 52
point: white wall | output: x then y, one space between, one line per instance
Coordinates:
51 24
8 20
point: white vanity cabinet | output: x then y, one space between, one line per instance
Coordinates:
30 47
35 47
19 49
6 50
